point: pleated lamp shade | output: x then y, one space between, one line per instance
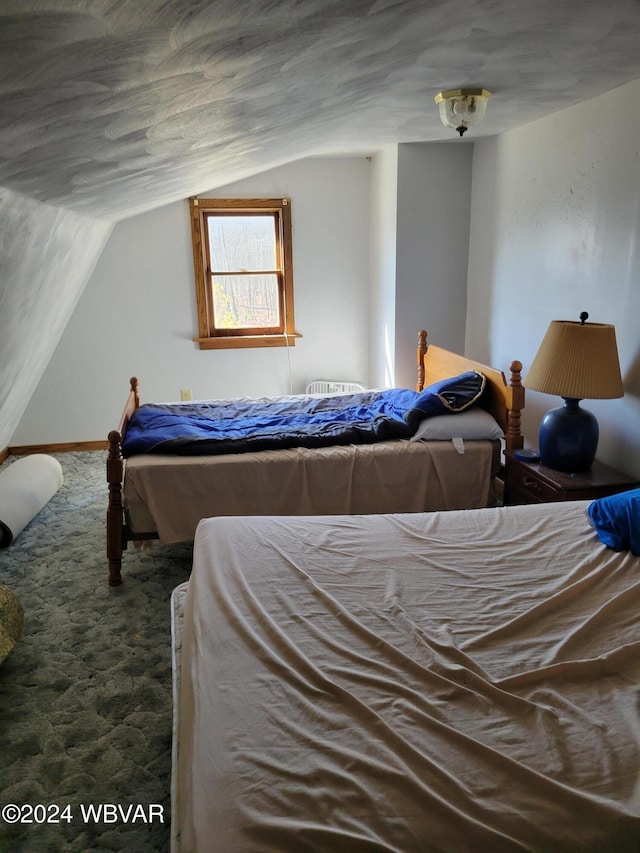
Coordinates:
577 360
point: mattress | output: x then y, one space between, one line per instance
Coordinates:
178 597
170 494
417 682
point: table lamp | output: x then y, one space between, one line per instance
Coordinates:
576 360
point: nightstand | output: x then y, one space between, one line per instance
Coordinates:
531 482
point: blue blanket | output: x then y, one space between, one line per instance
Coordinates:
243 425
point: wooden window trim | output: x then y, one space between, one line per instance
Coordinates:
198 208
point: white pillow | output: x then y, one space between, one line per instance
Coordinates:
472 424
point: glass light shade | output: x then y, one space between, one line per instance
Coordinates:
462 108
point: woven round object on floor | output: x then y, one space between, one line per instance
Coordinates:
11 620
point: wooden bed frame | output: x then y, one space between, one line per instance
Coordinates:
504 400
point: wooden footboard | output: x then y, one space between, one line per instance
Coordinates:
117 534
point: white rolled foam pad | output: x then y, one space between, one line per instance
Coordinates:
25 487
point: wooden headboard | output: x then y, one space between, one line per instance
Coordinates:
504 400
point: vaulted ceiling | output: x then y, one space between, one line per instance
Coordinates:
111 107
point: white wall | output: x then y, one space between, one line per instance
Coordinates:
420 211
433 211
382 266
555 230
137 314
46 257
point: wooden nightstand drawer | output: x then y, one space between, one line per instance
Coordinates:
529 488
530 482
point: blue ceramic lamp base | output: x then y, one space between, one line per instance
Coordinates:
568 438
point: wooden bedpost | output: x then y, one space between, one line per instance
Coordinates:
514 439
421 352
115 513
134 383
116 530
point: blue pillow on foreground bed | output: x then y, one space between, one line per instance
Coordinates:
616 520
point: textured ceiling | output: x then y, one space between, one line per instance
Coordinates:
111 107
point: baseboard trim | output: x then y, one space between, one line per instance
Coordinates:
4 454
68 447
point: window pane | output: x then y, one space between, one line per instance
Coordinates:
242 243
241 301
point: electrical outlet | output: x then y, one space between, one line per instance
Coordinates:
186 394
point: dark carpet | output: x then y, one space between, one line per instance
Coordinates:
85 695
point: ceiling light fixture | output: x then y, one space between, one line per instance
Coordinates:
462 108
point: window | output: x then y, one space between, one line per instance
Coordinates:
243 271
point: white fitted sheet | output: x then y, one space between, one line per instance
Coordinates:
430 682
170 494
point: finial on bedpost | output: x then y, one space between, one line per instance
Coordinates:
134 383
514 438
420 354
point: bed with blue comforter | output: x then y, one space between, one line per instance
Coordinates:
170 465
248 425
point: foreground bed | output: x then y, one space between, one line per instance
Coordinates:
164 495
449 681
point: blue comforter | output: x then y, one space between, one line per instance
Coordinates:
242 425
